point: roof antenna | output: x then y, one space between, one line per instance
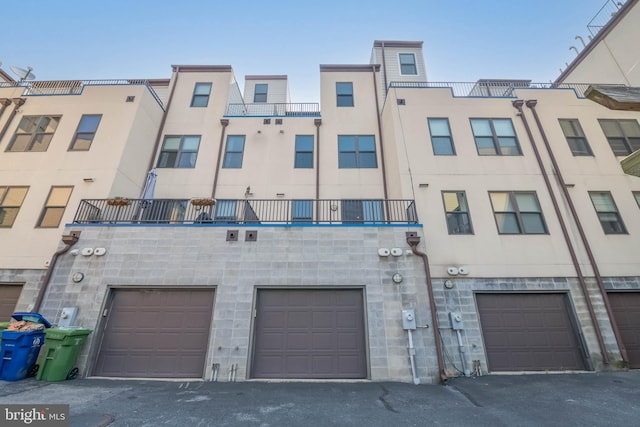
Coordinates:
22 73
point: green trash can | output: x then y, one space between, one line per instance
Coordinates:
57 360
3 326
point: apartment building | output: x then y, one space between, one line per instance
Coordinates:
400 229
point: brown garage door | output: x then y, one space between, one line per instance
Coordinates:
528 332
152 333
309 334
9 294
626 311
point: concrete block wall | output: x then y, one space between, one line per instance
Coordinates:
282 257
461 299
30 280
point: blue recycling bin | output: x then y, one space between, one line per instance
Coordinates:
19 349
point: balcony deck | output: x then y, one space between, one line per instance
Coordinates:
245 211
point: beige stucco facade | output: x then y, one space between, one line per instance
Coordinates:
407 259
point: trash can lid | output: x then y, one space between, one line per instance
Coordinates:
31 317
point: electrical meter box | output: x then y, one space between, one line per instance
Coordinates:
408 319
456 320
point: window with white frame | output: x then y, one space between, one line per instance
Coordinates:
457 212
607 211
495 137
34 133
201 93
517 212
407 64
179 151
11 199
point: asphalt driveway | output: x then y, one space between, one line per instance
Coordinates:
589 399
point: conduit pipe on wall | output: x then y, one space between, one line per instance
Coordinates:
4 103
224 123
163 120
413 240
531 104
69 240
318 123
374 69
18 102
517 104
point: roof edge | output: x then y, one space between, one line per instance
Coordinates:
349 67
397 43
201 68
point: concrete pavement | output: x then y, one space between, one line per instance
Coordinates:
587 399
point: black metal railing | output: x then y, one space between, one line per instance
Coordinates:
245 211
491 89
604 15
301 109
73 87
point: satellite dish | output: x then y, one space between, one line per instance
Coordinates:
22 73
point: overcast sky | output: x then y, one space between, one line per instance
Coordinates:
464 40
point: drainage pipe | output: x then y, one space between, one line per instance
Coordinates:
318 123
69 240
594 265
517 104
374 69
163 120
412 358
413 240
224 123
462 350
19 102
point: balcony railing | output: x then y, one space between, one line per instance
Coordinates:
73 87
245 211
604 15
308 109
492 89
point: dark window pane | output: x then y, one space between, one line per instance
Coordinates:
507 223
368 160
304 160
485 146
458 223
200 101
8 216
533 223
442 146
89 123
347 160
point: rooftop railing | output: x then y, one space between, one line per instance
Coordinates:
308 109
492 89
245 211
73 87
602 18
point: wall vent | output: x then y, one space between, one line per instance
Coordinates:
278 121
266 122
130 98
401 101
